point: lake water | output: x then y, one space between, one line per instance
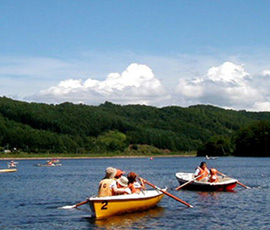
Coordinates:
30 197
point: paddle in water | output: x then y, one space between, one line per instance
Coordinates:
74 206
222 174
166 193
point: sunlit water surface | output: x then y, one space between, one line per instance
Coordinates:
30 198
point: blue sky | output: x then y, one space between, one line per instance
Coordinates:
158 53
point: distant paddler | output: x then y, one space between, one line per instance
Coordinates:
12 164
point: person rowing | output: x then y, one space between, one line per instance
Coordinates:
12 164
202 172
135 186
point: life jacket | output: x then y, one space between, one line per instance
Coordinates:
213 177
105 188
133 189
202 172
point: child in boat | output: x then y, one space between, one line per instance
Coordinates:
213 176
119 173
122 183
134 186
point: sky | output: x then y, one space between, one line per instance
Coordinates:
155 52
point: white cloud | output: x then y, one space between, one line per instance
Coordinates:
178 80
262 106
266 72
189 89
227 86
227 73
136 85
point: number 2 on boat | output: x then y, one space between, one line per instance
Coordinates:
104 206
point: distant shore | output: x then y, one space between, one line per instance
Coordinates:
87 157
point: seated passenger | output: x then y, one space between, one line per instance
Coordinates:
122 183
213 176
134 186
108 186
119 173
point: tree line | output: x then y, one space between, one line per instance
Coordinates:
78 128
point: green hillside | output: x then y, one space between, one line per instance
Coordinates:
70 128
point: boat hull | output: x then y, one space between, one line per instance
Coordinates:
8 170
103 207
225 184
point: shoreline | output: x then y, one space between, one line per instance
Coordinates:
97 157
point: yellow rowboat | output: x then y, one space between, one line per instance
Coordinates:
103 207
8 170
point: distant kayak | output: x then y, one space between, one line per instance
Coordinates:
210 158
47 165
7 170
224 184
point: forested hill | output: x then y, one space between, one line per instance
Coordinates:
36 127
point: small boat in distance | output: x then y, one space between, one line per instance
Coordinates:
224 184
54 160
103 207
210 158
47 165
50 163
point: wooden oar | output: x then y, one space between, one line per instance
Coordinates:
168 194
74 206
245 186
188 182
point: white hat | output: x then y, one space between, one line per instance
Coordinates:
123 181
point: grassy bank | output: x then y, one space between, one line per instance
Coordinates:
93 155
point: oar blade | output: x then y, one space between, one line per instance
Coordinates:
67 207
245 186
74 206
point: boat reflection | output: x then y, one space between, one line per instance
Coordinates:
128 221
213 194
207 195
